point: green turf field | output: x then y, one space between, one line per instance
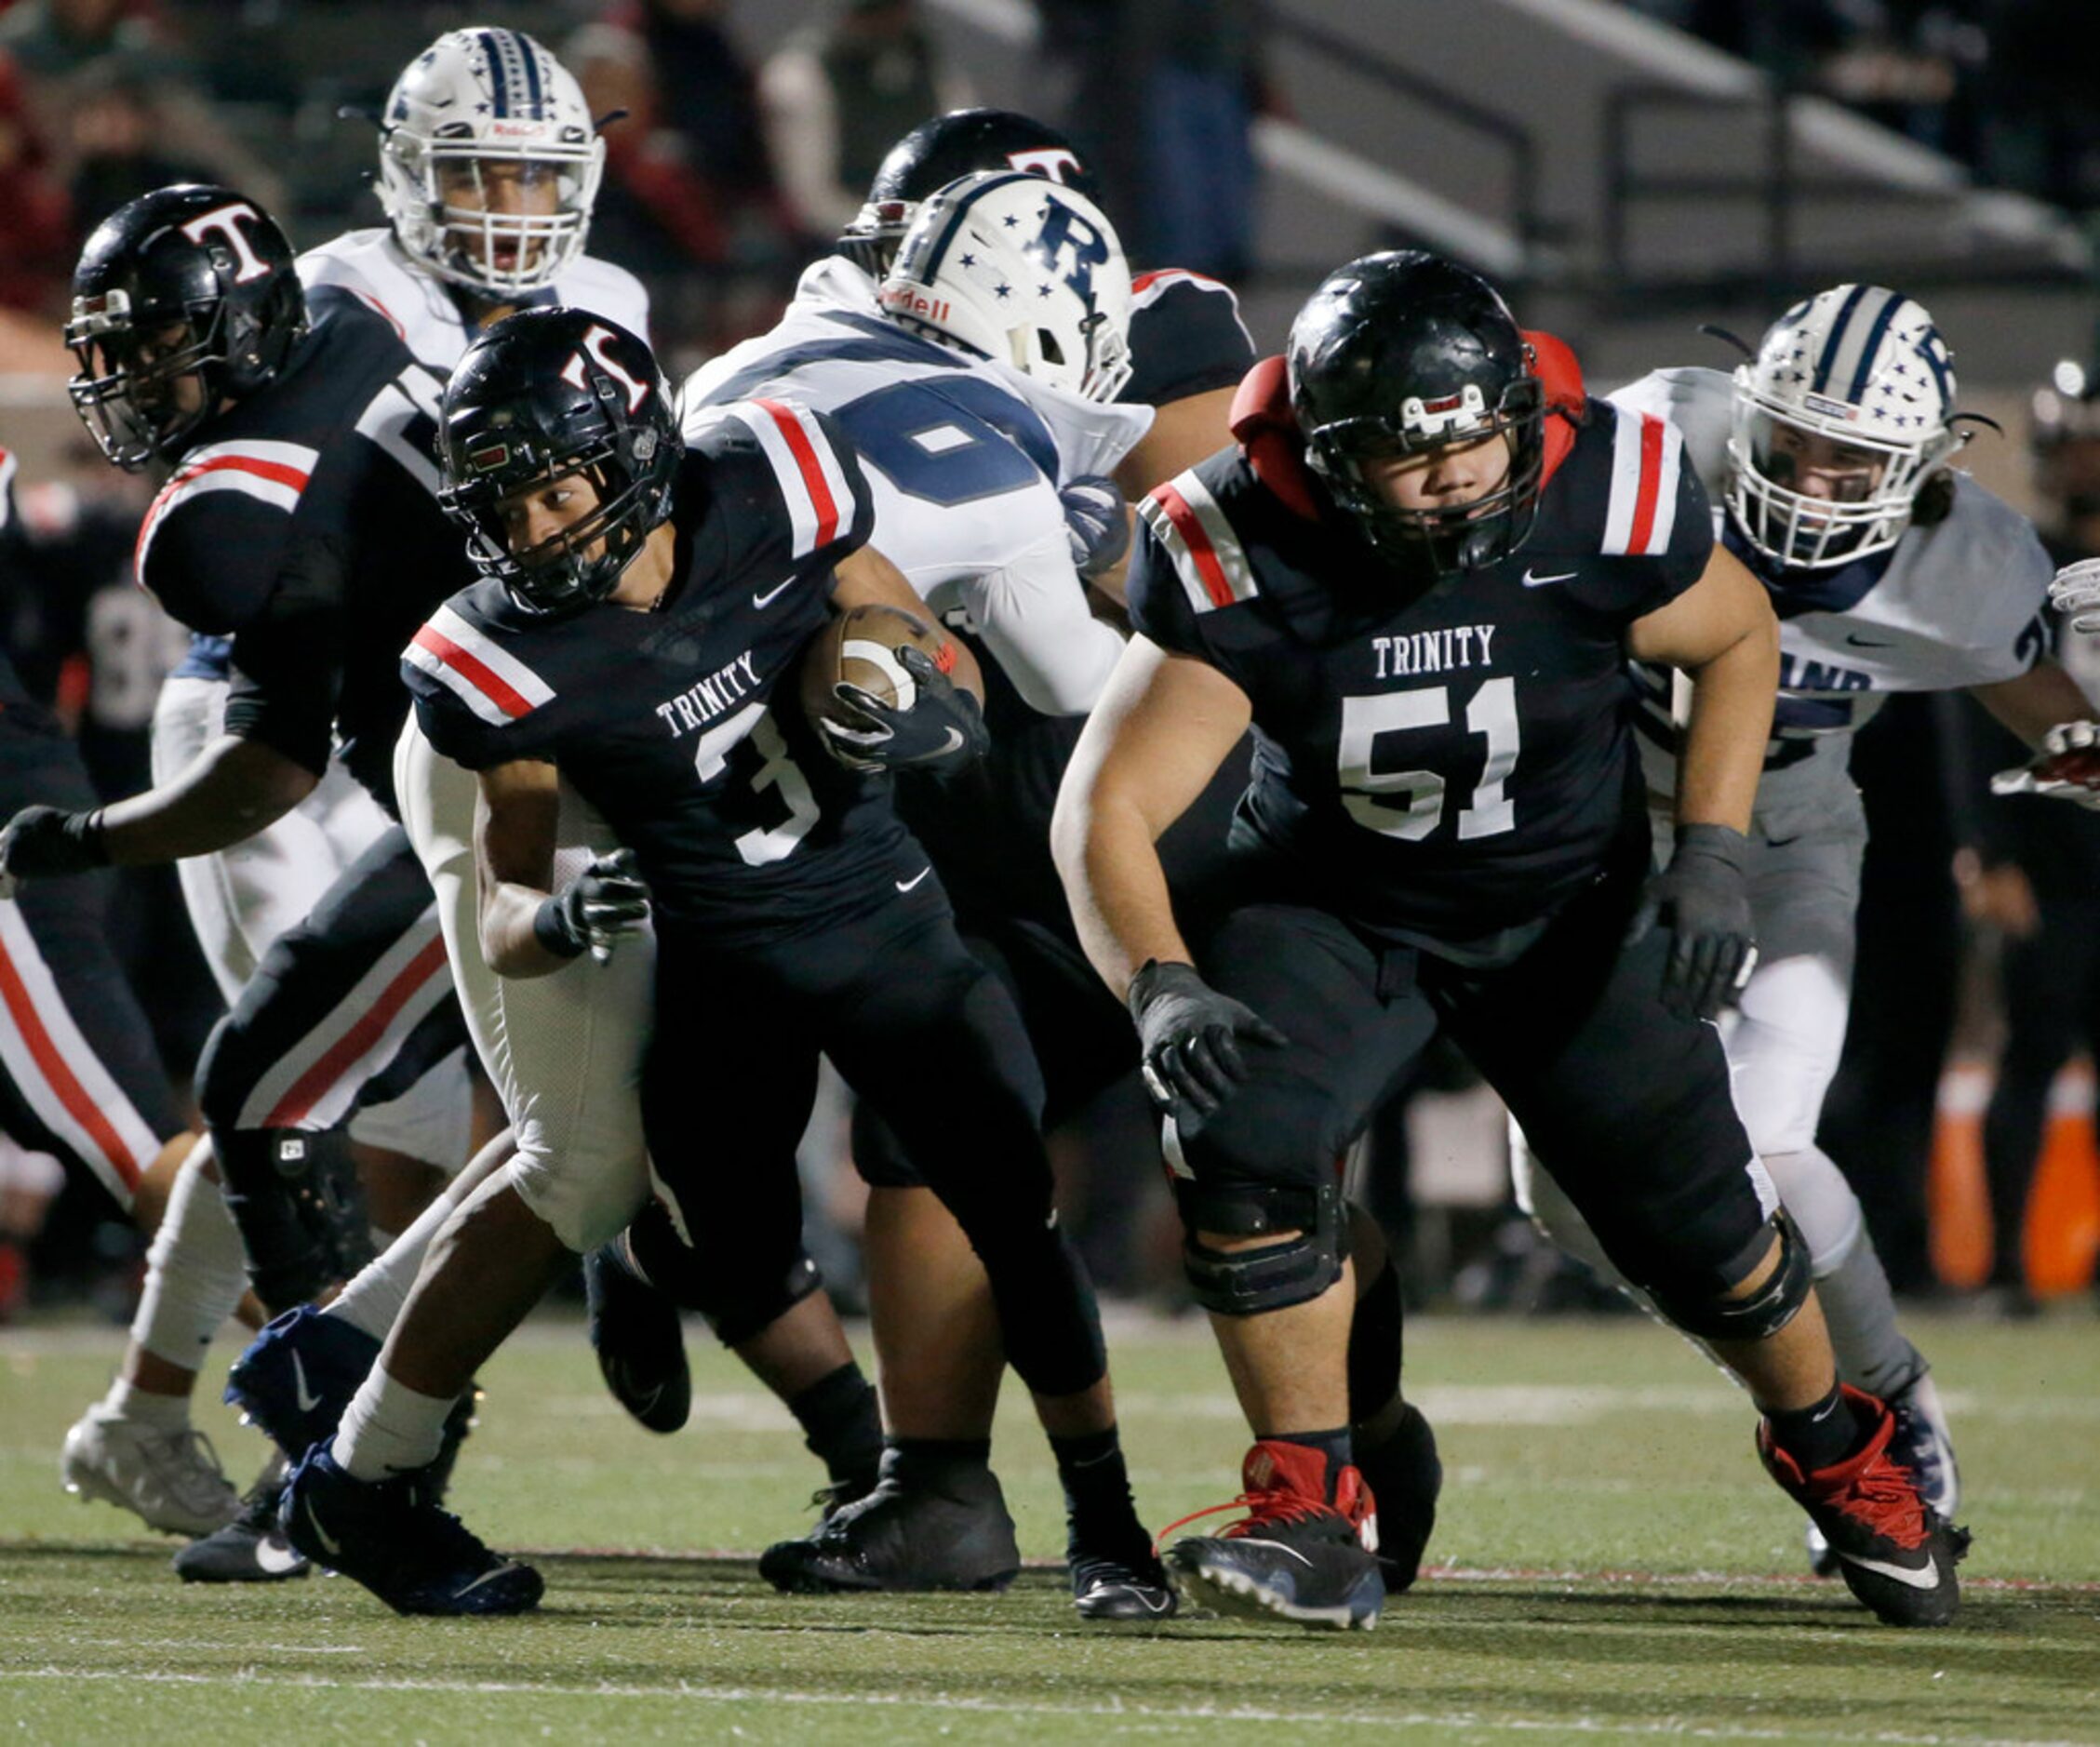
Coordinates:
1612 1564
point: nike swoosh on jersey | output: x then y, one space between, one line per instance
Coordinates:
1927 1579
771 594
1866 642
308 1401
905 886
1532 581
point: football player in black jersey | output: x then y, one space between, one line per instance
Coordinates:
201 355
641 604
1420 576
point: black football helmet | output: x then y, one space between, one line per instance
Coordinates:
544 393
934 153
189 280
1402 352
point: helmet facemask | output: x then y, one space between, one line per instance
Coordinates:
563 573
1443 541
134 409
453 218
1853 386
1875 480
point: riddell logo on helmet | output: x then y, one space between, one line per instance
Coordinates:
516 129
1828 409
906 301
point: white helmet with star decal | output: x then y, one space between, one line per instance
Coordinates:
490 163
1009 266
1840 421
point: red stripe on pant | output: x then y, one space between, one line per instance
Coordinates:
83 1109
312 1085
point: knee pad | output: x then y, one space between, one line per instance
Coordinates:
295 1195
1702 1307
1276 1276
1374 1346
587 1198
878 1154
740 1291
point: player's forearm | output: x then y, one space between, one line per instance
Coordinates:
510 941
233 789
1117 887
2036 702
1732 695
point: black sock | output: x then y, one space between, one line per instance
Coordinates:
929 1457
1098 1514
1817 1437
1336 1446
841 1424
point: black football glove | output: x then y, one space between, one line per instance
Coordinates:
1190 1035
602 906
48 842
1702 898
943 732
1096 525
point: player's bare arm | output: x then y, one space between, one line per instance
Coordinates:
1722 633
234 789
514 853
1160 731
2036 702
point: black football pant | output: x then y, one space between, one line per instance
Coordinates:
1625 1103
921 1031
80 1076
350 1008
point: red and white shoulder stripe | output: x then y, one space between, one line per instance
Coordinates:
812 478
1647 459
486 677
1206 553
274 473
1149 287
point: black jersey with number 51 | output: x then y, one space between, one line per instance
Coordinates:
671 722
1445 768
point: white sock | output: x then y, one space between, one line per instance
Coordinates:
389 1429
163 1413
195 1271
374 1298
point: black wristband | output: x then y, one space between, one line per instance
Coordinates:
86 832
550 928
1722 843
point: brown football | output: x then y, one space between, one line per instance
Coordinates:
860 647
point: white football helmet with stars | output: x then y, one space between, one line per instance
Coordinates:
1014 267
1861 367
472 98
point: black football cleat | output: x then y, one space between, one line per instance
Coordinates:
1294 1555
947 1529
641 1346
391 1538
250 1549
1895 1552
296 1378
1131 1588
1405 1477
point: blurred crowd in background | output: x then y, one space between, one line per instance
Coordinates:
727 170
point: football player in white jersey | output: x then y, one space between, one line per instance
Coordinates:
489 164
1832 449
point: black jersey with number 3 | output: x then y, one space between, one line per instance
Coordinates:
1446 769
672 723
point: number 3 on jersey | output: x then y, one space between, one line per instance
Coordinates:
765 763
1409 804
